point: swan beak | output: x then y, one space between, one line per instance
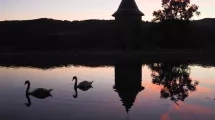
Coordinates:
27 104
50 95
75 96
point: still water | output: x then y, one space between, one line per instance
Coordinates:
160 93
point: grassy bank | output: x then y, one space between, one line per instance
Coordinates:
104 58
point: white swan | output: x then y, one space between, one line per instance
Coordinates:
40 93
84 85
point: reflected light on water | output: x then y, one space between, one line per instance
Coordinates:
102 102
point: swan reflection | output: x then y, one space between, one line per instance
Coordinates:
40 93
84 86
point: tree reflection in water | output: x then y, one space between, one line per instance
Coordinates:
175 79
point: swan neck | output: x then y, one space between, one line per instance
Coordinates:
27 90
75 85
76 92
29 100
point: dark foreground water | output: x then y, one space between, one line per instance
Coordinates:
168 92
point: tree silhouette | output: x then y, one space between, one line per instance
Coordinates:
175 80
176 10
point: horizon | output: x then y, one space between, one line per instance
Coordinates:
88 10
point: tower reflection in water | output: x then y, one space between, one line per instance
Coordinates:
128 78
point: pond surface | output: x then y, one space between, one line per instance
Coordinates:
150 92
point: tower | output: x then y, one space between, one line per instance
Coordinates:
128 19
128 79
128 10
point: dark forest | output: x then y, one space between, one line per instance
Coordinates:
50 34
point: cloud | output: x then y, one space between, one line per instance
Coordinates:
188 111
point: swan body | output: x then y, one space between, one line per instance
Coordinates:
84 86
40 93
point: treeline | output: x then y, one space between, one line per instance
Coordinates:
49 34
178 34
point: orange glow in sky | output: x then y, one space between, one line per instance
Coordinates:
84 9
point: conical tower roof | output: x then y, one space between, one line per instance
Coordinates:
128 7
128 95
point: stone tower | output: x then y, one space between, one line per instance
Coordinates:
128 10
128 82
128 20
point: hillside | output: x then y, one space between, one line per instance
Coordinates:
45 25
205 22
51 34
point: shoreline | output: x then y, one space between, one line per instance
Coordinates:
104 58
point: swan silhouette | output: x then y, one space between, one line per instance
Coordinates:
84 86
29 101
40 93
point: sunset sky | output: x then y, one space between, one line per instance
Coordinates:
84 9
